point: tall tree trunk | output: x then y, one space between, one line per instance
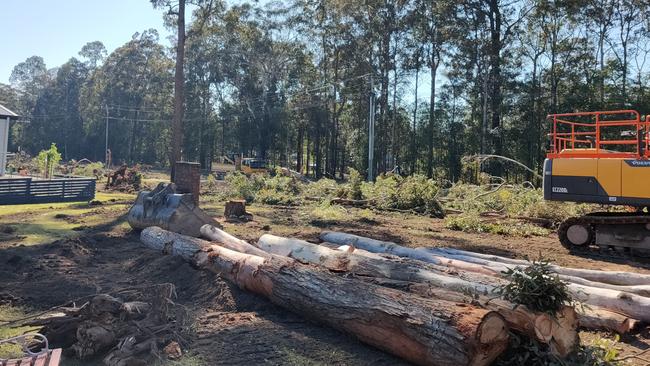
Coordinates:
496 98
434 62
414 134
179 80
300 148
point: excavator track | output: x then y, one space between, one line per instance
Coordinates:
621 232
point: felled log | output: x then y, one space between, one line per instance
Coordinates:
612 277
230 242
375 266
626 303
502 264
422 331
597 318
560 333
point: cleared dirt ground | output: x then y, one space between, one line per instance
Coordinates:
91 250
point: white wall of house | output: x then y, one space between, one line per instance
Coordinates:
4 142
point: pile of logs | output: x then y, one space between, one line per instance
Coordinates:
428 306
124 179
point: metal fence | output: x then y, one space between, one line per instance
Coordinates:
14 191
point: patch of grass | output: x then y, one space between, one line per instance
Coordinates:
43 223
327 213
9 313
472 223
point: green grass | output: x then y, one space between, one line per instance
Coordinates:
38 223
8 313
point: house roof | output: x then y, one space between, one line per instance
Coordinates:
6 112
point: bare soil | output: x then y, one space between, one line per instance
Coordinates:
233 327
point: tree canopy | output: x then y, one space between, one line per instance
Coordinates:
291 82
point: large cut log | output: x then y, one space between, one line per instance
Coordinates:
626 303
597 318
422 331
560 333
612 277
377 266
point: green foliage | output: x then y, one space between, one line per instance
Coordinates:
471 223
243 187
275 190
48 160
511 201
325 188
91 170
355 182
279 190
536 287
415 192
326 213
383 192
529 352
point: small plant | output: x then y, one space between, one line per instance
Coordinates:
48 160
536 287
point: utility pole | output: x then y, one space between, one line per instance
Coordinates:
371 132
106 147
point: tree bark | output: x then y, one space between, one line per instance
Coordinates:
376 266
422 331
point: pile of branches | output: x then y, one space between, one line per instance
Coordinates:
125 179
133 327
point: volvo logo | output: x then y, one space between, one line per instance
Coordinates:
638 163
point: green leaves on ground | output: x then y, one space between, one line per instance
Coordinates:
535 286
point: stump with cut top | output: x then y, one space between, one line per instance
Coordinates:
236 209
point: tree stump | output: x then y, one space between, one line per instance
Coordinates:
236 209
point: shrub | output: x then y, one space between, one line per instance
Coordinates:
355 183
241 186
418 193
325 188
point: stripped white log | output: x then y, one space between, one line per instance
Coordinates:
396 269
620 278
632 305
228 241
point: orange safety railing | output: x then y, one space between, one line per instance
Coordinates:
605 134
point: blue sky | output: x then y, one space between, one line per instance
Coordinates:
56 30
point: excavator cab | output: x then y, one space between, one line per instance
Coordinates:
602 158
